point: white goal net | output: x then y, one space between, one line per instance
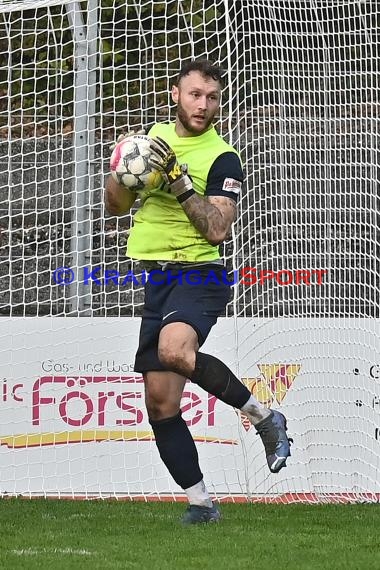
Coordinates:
302 106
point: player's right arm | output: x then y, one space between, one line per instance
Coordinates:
118 199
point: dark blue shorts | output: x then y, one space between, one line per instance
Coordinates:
195 296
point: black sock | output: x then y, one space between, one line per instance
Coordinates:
216 378
177 450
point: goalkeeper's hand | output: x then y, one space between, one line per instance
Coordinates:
122 137
163 159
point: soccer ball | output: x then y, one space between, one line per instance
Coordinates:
130 164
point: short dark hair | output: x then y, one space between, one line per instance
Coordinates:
205 68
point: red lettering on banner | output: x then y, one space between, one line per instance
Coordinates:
80 400
79 421
102 400
14 390
136 413
211 401
194 402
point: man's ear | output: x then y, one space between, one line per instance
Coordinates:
175 93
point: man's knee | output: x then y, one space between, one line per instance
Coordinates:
156 410
172 358
177 347
160 406
163 392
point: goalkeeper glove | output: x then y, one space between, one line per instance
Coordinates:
164 160
122 137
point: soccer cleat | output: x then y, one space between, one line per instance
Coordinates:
196 514
272 431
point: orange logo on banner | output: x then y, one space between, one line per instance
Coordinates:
273 385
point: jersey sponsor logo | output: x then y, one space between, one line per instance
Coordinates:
231 185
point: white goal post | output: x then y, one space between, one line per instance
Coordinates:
301 104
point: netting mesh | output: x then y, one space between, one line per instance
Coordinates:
301 104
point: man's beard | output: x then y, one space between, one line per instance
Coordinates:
183 118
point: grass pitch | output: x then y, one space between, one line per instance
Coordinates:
76 535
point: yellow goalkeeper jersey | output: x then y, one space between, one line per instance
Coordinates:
161 230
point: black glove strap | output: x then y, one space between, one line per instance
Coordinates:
182 197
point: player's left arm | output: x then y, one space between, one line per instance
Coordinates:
213 214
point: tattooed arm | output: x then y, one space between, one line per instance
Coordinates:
212 216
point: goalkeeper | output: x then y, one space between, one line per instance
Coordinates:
179 227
